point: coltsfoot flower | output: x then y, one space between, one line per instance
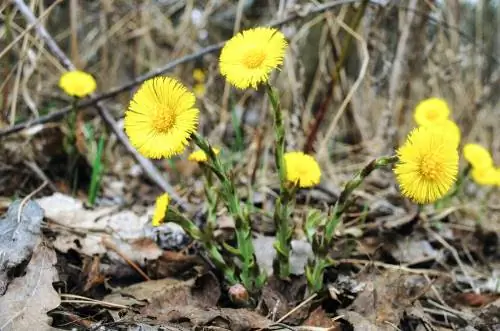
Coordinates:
486 175
161 118
161 207
477 156
248 58
302 169
451 129
431 111
77 83
201 156
427 166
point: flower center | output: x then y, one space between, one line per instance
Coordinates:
432 114
163 120
430 168
253 58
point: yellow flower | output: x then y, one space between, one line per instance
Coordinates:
431 111
77 83
478 156
161 118
428 165
248 58
161 208
200 155
199 90
302 169
198 75
486 176
451 129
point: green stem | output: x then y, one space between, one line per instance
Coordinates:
250 270
97 170
323 238
207 241
284 231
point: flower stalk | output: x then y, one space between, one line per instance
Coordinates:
250 277
206 240
284 230
321 231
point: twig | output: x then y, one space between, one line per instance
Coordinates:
146 164
394 82
113 247
364 66
25 200
81 299
300 305
395 267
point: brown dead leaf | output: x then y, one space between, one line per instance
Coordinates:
319 318
472 299
30 297
195 318
383 299
203 291
91 268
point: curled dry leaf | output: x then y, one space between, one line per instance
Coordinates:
30 297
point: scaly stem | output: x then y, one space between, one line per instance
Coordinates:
250 270
284 230
323 238
207 241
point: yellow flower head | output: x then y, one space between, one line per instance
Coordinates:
200 155
77 83
450 129
198 75
302 169
161 117
199 90
248 58
431 111
478 156
161 208
486 175
428 165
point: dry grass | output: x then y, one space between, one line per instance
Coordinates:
411 54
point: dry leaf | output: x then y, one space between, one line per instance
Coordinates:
30 297
18 237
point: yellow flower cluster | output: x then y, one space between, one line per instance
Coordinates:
199 79
428 164
483 170
77 83
434 112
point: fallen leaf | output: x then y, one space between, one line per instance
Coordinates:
18 237
202 291
195 318
319 318
30 297
383 301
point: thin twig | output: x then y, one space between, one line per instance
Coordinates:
112 246
25 200
303 303
81 299
364 66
